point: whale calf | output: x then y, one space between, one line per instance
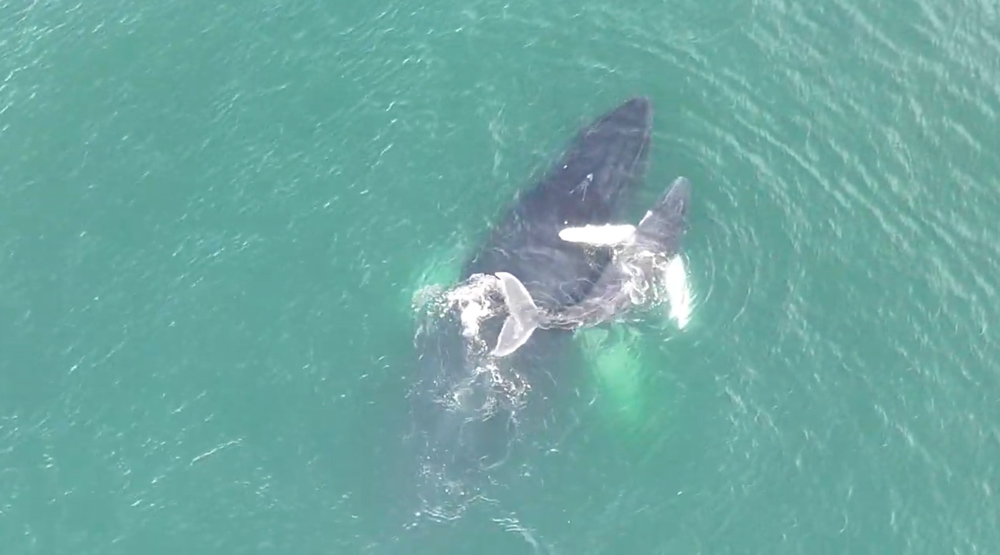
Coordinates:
467 405
641 253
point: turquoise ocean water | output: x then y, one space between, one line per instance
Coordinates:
214 217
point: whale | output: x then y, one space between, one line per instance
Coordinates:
468 406
642 254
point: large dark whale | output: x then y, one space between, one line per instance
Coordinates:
642 255
467 405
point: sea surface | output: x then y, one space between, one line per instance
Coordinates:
215 217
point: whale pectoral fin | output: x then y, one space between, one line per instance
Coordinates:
523 318
512 336
599 235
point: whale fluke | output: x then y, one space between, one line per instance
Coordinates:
523 315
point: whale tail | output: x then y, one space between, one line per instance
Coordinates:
523 316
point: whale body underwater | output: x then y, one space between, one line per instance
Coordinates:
467 405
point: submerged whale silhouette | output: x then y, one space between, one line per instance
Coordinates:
467 404
642 252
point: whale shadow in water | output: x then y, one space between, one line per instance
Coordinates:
469 409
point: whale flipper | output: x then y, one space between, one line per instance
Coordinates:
599 235
523 317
